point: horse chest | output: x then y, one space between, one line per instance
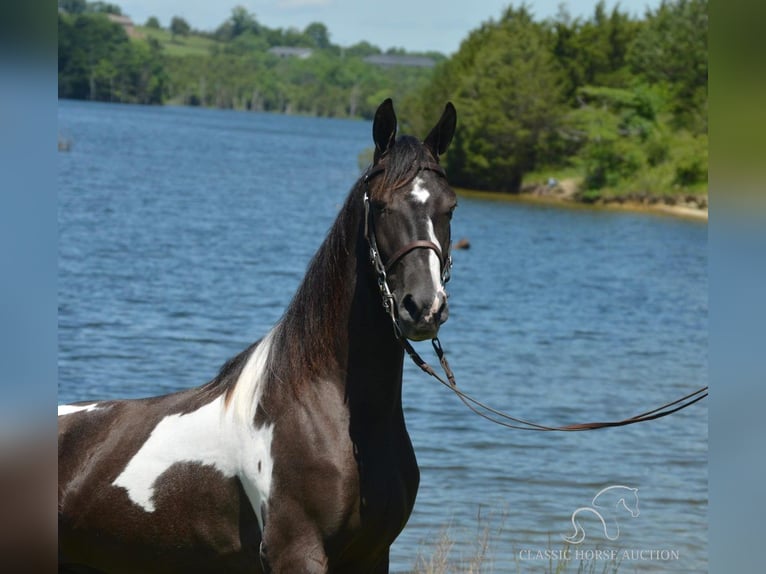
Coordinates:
355 489
388 479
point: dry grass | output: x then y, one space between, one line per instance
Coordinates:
450 554
444 557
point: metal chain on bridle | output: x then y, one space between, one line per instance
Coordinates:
483 410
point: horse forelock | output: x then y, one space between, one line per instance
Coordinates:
400 163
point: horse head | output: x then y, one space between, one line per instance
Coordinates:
409 211
619 495
630 502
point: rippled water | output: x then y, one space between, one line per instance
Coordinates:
184 232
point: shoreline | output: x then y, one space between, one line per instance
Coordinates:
564 194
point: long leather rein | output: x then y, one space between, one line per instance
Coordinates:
481 409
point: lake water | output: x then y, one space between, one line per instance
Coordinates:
184 232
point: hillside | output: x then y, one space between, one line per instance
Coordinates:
613 104
243 64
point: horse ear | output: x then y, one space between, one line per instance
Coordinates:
384 128
440 137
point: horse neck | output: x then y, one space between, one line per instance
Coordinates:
335 329
375 358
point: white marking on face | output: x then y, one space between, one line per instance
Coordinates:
71 409
213 435
419 193
434 266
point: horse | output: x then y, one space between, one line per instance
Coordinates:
615 496
296 456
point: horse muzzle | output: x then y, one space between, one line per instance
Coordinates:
421 316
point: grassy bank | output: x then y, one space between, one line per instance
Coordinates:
564 194
650 192
564 188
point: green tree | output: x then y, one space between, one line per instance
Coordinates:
318 34
97 61
73 6
153 23
242 21
671 49
361 50
146 75
613 124
246 44
87 43
508 93
103 8
179 27
593 52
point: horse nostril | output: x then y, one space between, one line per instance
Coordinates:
443 312
411 307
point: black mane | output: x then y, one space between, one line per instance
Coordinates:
306 335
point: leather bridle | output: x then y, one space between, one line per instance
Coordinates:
483 410
369 224
383 268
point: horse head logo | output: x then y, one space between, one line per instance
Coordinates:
604 507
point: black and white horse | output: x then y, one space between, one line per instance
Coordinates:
296 457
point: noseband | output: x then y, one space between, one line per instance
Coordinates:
381 268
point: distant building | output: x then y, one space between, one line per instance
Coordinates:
391 60
291 52
125 22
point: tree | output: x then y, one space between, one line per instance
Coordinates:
88 43
593 52
671 49
153 23
179 27
73 6
97 61
103 8
242 21
508 90
318 34
361 50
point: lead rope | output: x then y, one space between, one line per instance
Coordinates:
504 419
477 407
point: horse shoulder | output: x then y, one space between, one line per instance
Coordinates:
149 473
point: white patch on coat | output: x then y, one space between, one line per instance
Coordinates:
248 388
419 193
71 409
214 435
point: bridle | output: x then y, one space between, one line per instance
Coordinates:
483 410
382 269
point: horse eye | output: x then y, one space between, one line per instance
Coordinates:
380 208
